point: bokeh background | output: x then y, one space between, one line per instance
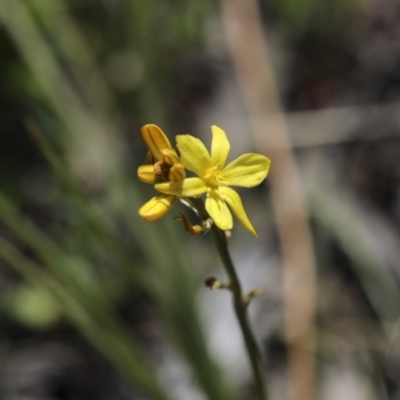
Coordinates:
96 303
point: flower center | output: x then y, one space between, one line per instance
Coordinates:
212 177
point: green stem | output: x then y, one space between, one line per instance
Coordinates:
239 304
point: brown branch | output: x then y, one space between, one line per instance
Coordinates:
248 50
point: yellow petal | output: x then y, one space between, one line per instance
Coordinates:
156 207
235 203
248 170
176 173
193 154
189 187
155 140
218 210
169 156
146 173
219 147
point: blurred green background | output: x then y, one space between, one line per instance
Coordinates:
98 303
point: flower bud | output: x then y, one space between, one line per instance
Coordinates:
169 156
155 139
177 173
156 207
146 173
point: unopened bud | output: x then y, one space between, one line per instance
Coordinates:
146 173
177 173
155 139
157 207
169 156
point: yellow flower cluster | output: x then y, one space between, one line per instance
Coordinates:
167 171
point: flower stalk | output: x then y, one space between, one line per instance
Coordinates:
239 304
166 169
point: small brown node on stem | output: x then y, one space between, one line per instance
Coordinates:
194 230
212 283
250 295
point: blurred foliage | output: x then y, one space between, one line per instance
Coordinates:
84 78
32 306
77 81
305 15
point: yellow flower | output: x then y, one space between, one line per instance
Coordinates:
163 166
214 178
